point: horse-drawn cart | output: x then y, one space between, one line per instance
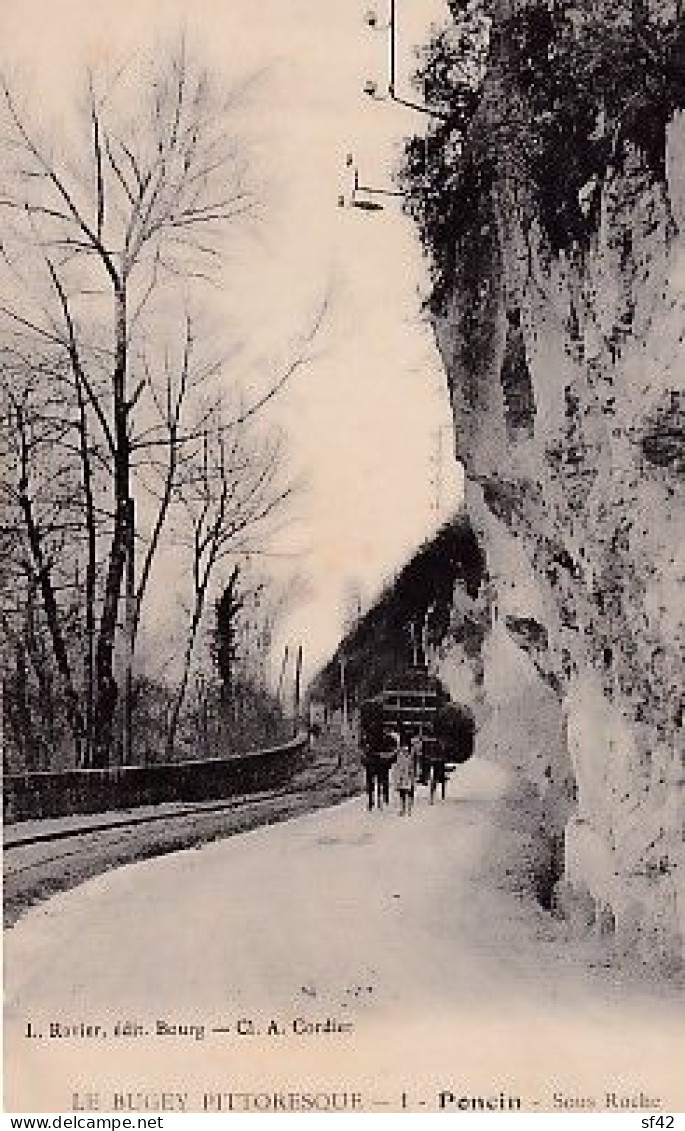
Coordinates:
418 706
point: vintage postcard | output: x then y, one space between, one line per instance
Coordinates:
342 439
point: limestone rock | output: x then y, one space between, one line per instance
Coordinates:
566 371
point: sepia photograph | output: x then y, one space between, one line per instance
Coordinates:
342 569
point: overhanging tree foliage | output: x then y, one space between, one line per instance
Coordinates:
575 87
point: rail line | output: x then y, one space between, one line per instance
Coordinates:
226 805
39 865
123 826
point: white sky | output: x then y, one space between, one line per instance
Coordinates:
362 420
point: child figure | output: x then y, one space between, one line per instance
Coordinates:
404 774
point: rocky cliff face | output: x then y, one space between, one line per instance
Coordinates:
565 360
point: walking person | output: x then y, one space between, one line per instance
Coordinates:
370 734
404 773
378 753
438 775
418 754
386 759
454 743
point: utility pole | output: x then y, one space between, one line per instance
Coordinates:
279 688
343 689
298 682
424 631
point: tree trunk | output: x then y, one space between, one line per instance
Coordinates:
19 713
107 693
177 705
36 653
74 714
91 567
200 595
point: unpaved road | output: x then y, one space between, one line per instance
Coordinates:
416 940
34 869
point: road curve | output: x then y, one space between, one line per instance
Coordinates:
413 944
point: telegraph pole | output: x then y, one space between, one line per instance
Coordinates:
343 689
284 664
298 681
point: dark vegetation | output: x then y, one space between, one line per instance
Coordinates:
227 709
388 638
555 99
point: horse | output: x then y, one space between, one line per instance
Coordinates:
454 730
377 754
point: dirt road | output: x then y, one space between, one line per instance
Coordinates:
351 952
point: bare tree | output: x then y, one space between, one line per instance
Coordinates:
41 504
240 486
109 242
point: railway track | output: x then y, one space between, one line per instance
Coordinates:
40 864
124 822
